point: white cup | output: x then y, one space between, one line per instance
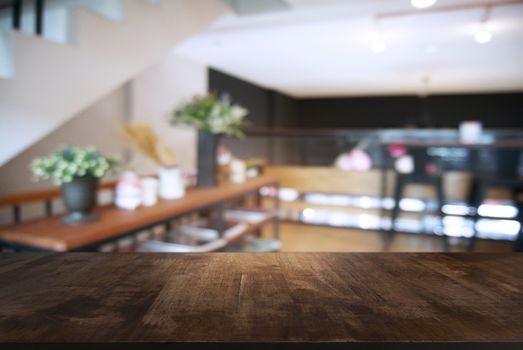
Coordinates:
172 185
470 131
149 191
238 171
404 164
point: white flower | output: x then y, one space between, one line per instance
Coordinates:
72 168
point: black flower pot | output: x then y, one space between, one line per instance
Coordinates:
207 168
80 199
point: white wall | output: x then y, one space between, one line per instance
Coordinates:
54 82
148 98
156 92
98 126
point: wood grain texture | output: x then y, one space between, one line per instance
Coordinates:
368 183
51 234
224 297
327 179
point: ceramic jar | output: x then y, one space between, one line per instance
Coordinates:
171 183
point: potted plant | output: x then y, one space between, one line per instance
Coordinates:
212 117
77 170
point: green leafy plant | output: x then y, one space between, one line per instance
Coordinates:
211 114
67 163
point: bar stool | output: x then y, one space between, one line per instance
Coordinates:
506 175
518 244
427 171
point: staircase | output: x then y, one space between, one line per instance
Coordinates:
84 50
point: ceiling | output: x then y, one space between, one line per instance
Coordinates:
322 48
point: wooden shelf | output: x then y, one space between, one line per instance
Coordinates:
236 231
51 234
249 228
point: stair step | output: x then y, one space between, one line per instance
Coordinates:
50 82
6 57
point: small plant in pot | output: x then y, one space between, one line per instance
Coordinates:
78 171
212 117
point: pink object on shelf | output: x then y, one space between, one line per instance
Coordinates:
431 169
355 160
397 150
343 162
224 156
128 191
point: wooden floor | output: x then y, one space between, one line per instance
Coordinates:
307 238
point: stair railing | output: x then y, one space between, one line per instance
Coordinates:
46 196
16 7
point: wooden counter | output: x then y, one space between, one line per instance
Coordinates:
51 234
385 299
495 144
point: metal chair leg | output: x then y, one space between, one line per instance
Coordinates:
441 201
480 195
398 190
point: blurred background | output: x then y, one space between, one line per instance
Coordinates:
391 125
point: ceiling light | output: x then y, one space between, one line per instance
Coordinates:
378 46
430 49
483 36
421 4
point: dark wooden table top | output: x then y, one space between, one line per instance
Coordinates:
51 234
227 297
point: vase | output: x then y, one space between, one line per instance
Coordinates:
80 197
207 167
128 192
171 185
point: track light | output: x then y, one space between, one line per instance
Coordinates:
378 46
483 36
422 4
